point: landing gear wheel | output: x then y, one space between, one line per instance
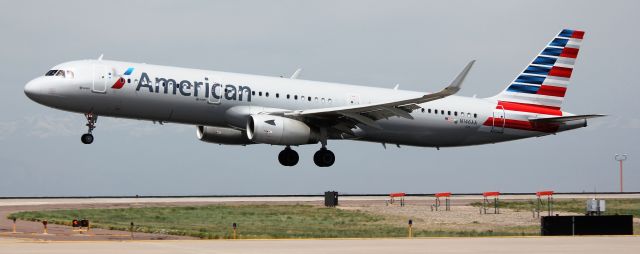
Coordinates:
324 158
288 157
87 138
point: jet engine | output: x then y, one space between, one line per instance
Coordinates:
222 135
276 130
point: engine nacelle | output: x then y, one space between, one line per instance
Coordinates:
276 130
221 135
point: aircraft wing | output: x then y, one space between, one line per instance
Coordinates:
367 114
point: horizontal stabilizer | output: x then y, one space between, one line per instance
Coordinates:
562 119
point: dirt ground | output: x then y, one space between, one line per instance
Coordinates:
459 218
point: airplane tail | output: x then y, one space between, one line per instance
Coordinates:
541 86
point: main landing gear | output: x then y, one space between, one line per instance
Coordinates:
87 138
288 157
322 158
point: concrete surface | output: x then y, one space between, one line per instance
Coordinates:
581 245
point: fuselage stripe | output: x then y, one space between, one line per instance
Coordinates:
521 125
530 108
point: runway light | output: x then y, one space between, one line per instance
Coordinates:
44 223
235 226
131 230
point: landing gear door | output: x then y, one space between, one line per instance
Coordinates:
498 120
100 79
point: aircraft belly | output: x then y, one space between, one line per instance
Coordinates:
419 133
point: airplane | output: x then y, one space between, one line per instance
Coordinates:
242 109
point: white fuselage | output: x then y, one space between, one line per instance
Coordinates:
198 97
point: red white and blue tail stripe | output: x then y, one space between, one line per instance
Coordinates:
542 85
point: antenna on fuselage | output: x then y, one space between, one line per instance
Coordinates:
100 58
396 87
296 74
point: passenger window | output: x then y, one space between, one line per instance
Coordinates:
468 114
253 93
309 98
277 95
449 112
329 100
422 110
259 93
295 97
475 115
266 94
462 114
288 96
429 111
442 112
322 100
455 113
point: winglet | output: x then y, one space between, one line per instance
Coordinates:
296 74
455 85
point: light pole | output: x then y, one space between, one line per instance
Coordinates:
620 158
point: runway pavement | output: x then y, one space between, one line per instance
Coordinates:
493 245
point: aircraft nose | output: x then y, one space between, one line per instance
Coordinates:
34 89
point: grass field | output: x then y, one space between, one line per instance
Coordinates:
254 221
613 206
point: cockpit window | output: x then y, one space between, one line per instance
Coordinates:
60 73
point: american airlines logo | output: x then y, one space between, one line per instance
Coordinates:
121 81
203 88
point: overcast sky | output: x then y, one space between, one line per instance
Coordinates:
421 45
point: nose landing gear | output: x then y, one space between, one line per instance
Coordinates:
288 157
87 138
